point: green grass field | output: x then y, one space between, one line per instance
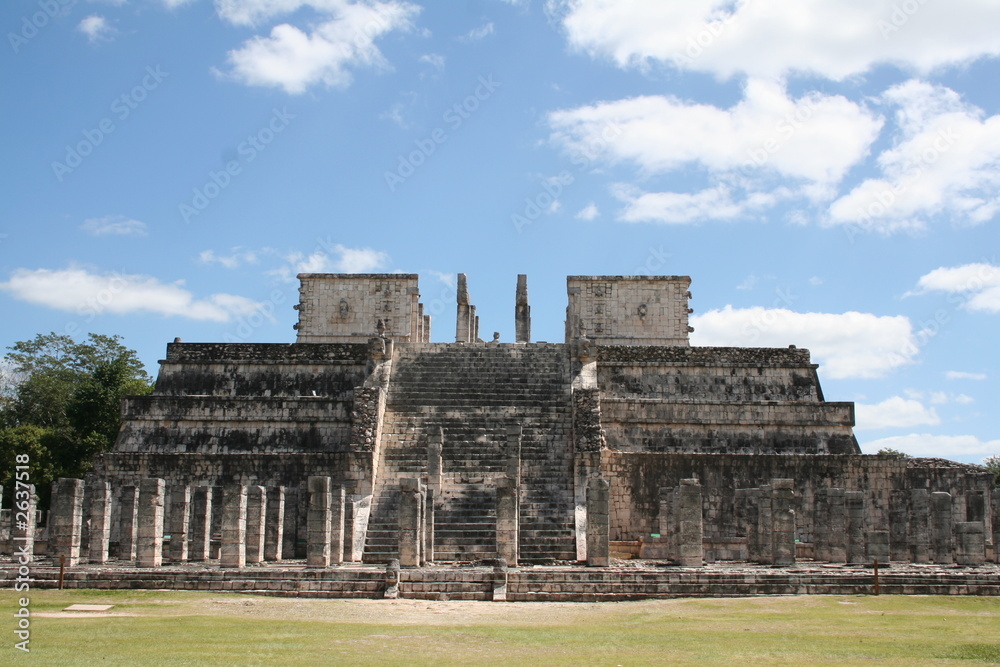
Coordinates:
180 628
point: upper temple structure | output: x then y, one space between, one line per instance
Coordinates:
364 435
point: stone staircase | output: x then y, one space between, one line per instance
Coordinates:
473 393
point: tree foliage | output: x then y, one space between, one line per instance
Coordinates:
60 402
992 463
889 451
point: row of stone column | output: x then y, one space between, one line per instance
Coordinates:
252 523
768 515
928 532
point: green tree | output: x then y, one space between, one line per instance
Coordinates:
889 451
94 408
60 402
992 463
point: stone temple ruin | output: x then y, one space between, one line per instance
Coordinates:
363 444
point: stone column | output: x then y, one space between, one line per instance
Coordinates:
854 502
215 545
428 525
500 581
274 524
837 526
513 453
821 520
507 520
666 523
598 522
690 529
234 526
127 530
942 541
765 524
100 521
149 539
995 520
783 516
256 513
200 524
464 323
357 510
318 533
337 525
22 523
180 508
411 522
66 520
877 550
294 499
971 547
898 526
522 311
435 445
919 532
752 497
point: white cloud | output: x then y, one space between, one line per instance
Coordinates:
88 293
963 375
359 260
294 60
674 208
834 40
945 162
815 281
588 212
815 138
448 279
979 283
335 258
752 281
395 115
173 4
477 34
114 224
848 345
237 257
96 28
895 412
435 60
939 446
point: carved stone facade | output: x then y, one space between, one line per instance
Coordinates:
504 449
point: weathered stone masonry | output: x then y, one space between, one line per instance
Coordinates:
364 441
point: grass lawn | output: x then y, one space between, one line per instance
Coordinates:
186 628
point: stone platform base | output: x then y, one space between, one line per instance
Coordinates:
624 580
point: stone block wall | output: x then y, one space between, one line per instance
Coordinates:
347 307
636 480
217 398
629 310
716 399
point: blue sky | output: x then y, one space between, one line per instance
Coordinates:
826 172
